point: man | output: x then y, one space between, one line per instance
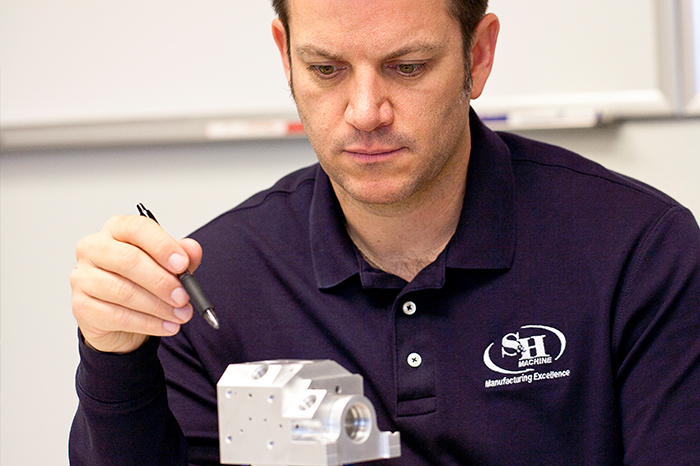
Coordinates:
504 300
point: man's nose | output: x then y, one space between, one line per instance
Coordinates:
369 106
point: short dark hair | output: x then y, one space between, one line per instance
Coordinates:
467 12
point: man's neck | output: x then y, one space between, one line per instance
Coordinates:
403 240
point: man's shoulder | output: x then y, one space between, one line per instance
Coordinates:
285 202
297 183
549 166
296 187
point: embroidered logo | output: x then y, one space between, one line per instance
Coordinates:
524 353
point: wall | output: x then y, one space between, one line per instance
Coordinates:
50 199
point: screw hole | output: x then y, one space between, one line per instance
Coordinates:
259 371
307 402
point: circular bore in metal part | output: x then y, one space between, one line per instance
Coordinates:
358 422
259 371
307 402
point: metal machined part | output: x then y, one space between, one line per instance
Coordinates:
295 412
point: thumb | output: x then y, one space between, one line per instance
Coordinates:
194 251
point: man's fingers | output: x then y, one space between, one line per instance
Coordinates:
194 251
133 264
113 328
125 284
148 236
112 288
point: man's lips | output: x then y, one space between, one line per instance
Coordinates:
372 153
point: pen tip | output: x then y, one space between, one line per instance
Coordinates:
211 318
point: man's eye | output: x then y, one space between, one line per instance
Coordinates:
326 70
409 69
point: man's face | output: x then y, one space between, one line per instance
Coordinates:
379 86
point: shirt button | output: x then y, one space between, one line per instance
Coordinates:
414 360
409 308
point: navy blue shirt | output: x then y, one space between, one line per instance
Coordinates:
561 325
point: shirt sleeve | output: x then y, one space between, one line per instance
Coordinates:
656 344
193 364
123 416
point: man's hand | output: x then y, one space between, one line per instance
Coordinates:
125 286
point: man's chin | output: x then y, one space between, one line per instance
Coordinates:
379 193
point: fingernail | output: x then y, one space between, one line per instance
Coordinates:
177 262
170 327
179 296
182 313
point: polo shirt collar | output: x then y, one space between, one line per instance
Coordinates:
485 235
332 251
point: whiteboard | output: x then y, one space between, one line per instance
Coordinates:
598 58
73 61
691 56
115 71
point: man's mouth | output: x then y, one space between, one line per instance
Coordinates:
372 152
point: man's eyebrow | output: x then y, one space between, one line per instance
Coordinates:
418 47
313 51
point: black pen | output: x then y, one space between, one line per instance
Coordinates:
197 297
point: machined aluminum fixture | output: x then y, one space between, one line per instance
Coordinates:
296 412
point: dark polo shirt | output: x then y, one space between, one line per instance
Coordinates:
561 325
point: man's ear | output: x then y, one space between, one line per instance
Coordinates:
280 36
482 52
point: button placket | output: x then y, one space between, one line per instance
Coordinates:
414 359
414 337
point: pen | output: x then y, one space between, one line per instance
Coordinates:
197 297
